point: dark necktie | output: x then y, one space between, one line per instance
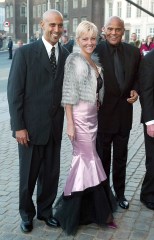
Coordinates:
53 60
119 72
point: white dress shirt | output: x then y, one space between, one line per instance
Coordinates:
48 47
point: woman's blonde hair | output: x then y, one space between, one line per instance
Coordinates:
85 27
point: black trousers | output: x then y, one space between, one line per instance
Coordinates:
10 53
147 189
119 141
39 164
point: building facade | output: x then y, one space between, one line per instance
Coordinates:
74 11
2 16
136 21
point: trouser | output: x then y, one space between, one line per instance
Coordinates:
39 164
119 141
147 189
10 53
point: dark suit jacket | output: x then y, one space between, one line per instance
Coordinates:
34 95
146 83
116 113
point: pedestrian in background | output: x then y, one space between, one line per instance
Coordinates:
120 62
146 81
34 97
134 41
67 43
101 37
147 46
10 47
1 41
20 43
87 197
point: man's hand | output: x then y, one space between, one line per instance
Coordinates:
150 130
22 137
133 96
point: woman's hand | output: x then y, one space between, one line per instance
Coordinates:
71 131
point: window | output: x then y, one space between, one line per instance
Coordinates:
151 31
57 5
34 28
83 19
23 28
23 11
138 13
128 13
75 24
38 28
65 6
152 6
110 9
138 32
127 34
75 3
11 11
119 9
7 12
39 11
1 26
84 3
44 8
66 25
34 11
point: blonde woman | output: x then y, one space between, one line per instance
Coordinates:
87 197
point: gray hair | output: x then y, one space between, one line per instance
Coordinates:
118 19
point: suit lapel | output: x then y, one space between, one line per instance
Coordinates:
42 56
60 59
109 70
127 64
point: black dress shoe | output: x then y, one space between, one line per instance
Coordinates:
50 221
149 205
123 203
26 227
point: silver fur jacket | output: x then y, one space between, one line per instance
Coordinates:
80 81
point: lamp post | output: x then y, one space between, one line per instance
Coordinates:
27 21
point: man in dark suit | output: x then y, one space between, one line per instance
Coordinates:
115 115
10 47
34 96
146 81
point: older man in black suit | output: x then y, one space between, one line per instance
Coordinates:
34 96
120 62
146 81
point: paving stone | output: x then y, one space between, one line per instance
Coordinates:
104 235
138 235
138 221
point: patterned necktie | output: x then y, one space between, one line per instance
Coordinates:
119 72
53 60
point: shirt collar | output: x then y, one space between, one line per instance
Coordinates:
112 47
48 46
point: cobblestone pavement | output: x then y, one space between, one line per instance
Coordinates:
137 223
